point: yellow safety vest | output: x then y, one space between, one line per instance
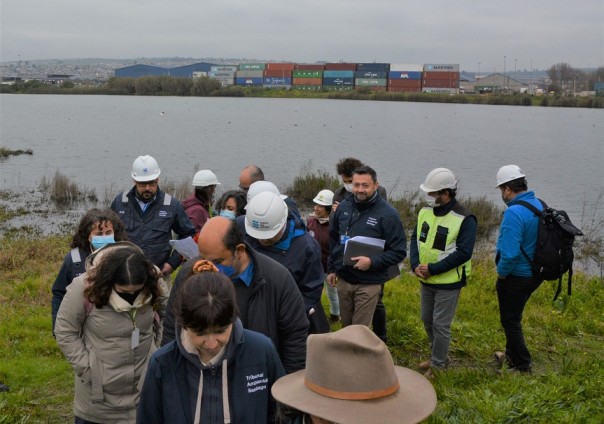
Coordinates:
437 239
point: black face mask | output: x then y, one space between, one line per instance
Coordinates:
129 297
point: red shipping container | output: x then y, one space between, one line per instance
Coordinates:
440 83
340 66
441 75
405 83
307 81
278 73
310 67
404 90
280 67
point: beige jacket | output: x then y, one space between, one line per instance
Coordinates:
98 344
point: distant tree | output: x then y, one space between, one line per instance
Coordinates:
124 85
68 84
205 86
561 74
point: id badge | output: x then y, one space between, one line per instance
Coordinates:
344 238
135 339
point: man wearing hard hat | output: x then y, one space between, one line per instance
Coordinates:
150 215
199 204
515 283
440 251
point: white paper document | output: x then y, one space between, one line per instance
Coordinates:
186 247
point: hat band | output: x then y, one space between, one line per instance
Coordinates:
374 394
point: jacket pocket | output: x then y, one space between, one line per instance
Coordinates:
440 239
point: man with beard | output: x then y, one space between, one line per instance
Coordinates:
150 215
366 214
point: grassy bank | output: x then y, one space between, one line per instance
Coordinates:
566 386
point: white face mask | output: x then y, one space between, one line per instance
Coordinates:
431 201
348 187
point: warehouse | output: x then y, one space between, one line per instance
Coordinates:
136 71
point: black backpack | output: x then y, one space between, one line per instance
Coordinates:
554 252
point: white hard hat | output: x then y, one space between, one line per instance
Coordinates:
204 178
508 173
265 215
145 168
260 186
324 198
439 179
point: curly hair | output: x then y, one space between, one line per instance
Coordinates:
124 265
89 220
206 301
240 200
347 166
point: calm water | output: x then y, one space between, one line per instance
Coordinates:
94 139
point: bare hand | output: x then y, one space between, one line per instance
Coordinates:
362 262
167 269
422 271
335 206
332 280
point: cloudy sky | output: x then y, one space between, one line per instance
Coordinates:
467 32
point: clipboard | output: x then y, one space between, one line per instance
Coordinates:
362 246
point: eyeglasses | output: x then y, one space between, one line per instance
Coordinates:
143 184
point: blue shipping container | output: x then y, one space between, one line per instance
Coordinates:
410 75
338 81
277 81
373 67
249 81
371 74
338 74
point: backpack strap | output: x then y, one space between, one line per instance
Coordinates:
537 213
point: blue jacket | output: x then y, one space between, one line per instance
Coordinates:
73 265
374 218
519 229
300 253
152 230
170 390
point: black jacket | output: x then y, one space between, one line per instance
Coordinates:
152 230
374 218
275 309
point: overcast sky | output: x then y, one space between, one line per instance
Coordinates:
467 32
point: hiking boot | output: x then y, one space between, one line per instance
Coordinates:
500 357
334 318
430 374
424 365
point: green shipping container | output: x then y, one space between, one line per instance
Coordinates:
370 82
307 74
338 87
252 66
307 87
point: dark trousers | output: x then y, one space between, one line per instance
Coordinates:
318 320
379 319
512 294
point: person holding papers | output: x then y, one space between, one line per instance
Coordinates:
359 270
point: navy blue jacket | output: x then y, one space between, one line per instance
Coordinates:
152 230
74 264
300 253
169 393
275 309
464 246
374 218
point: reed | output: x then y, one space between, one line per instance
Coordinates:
63 191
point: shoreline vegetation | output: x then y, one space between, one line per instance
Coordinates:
6 152
207 87
566 343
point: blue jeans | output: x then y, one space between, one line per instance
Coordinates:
437 312
512 294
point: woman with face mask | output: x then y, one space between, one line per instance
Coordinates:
96 229
108 326
231 204
214 371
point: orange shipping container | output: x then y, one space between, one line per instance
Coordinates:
307 81
405 83
441 75
310 67
340 66
278 73
441 83
280 66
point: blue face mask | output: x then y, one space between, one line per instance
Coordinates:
227 270
227 214
100 241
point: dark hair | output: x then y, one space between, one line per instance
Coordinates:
452 192
233 236
366 170
256 173
240 201
205 193
80 238
517 185
206 301
125 265
347 166
327 208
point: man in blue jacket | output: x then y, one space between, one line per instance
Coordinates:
150 215
364 213
515 282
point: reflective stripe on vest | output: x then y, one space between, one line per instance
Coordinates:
449 224
167 198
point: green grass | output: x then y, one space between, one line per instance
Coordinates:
565 387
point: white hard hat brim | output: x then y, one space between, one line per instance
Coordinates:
146 178
260 235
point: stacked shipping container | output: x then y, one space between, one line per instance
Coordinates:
223 73
373 76
405 78
308 77
441 78
339 76
250 74
278 75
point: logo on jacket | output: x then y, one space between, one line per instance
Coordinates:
256 382
372 221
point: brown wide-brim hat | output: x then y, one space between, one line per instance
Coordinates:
350 378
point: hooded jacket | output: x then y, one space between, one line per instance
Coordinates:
236 389
275 308
197 210
373 218
98 345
